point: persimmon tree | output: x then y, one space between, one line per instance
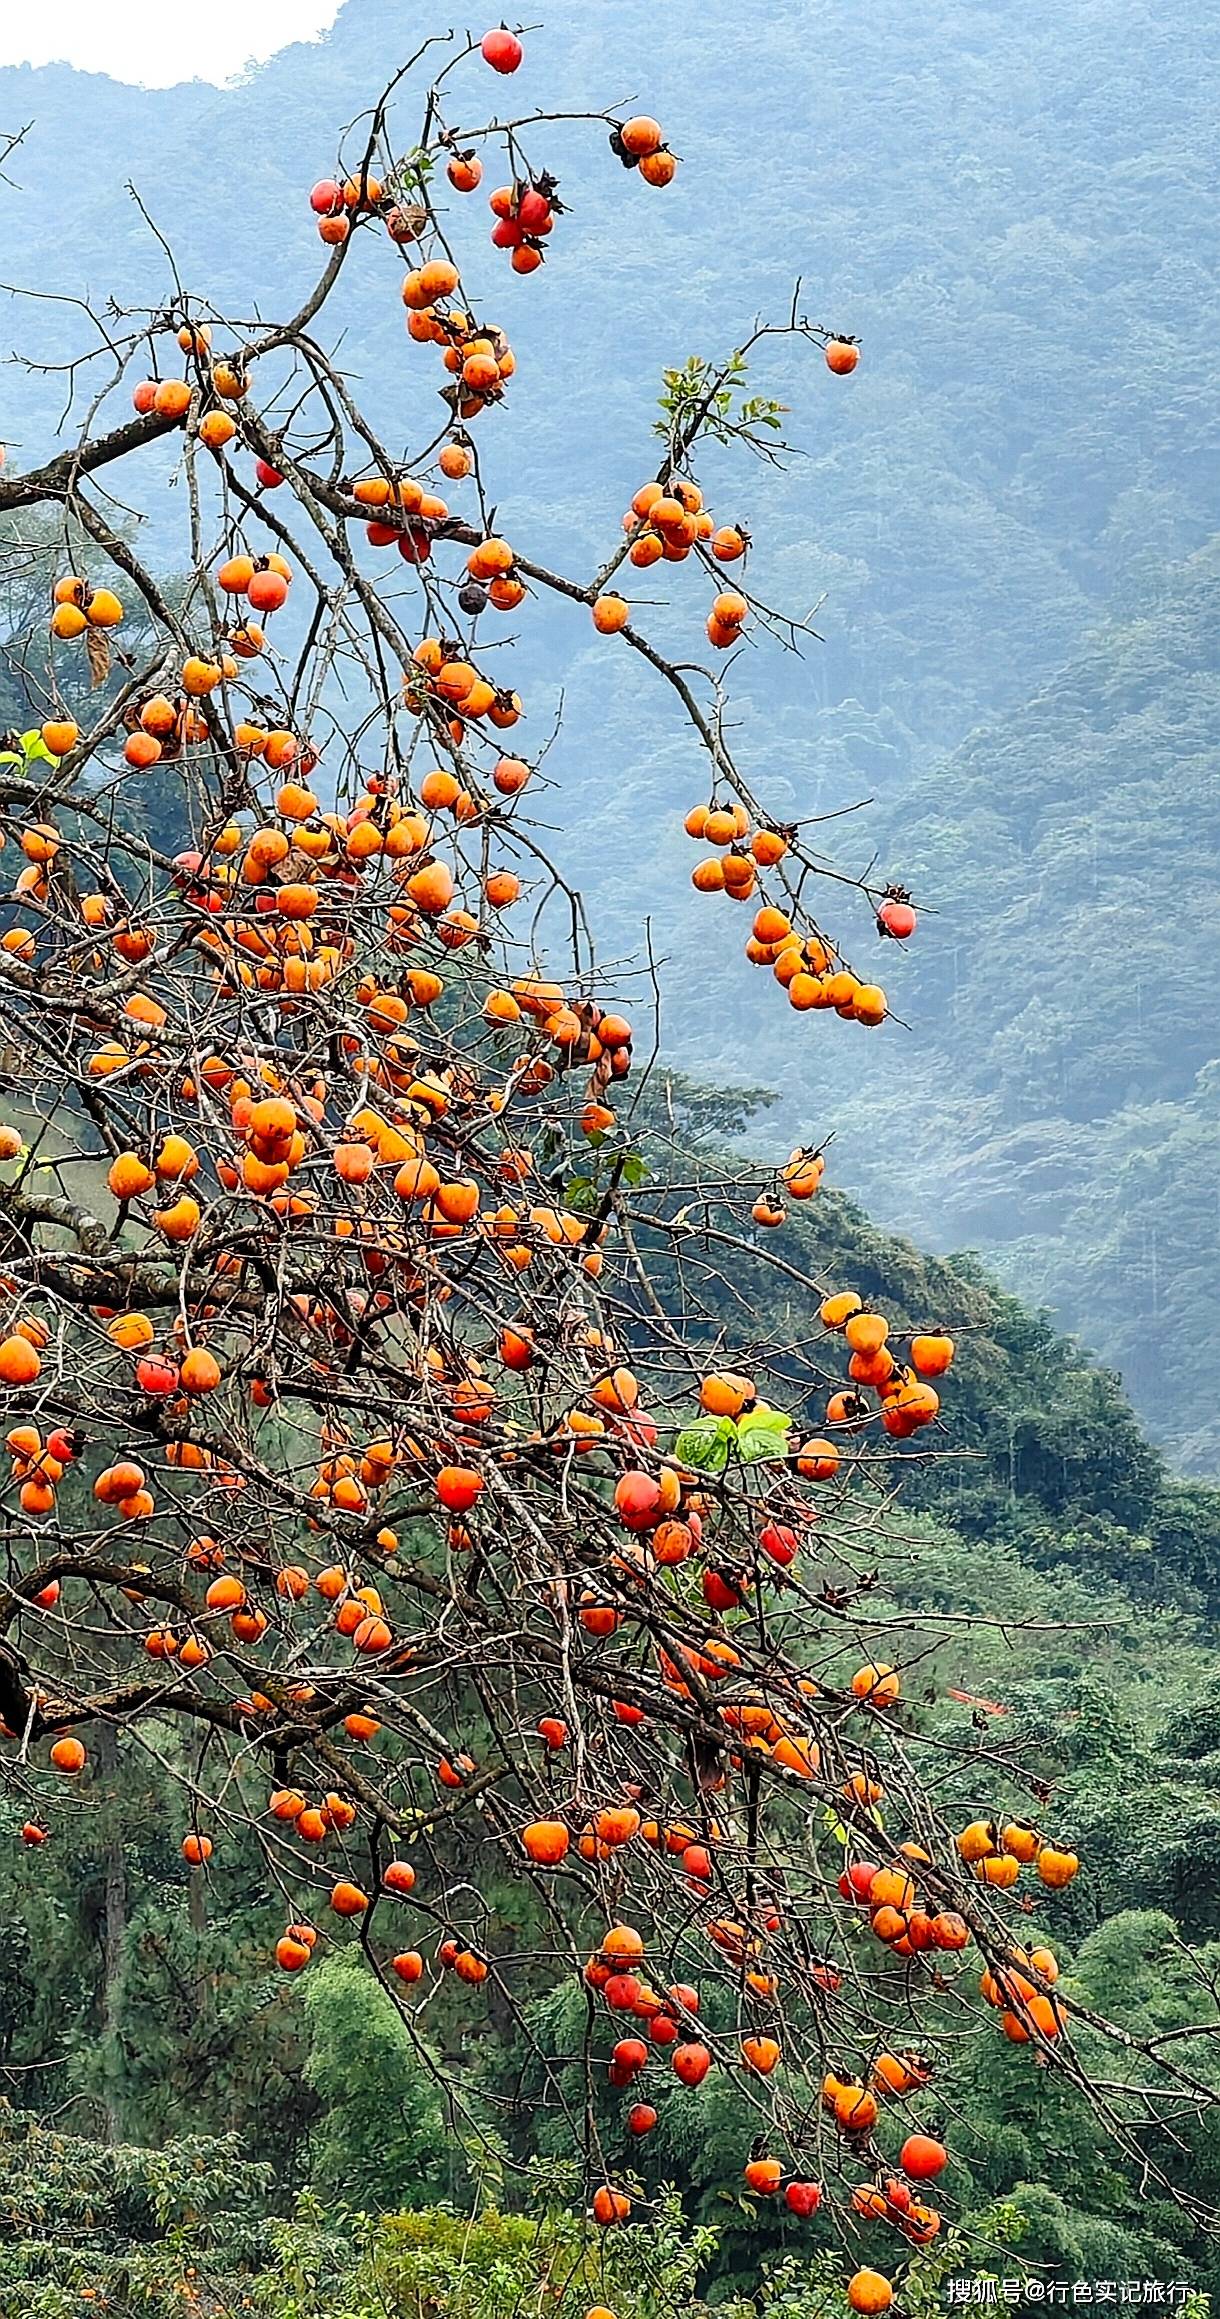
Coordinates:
381 1455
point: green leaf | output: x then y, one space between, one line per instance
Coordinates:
635 1169
705 1444
580 1194
35 750
762 1433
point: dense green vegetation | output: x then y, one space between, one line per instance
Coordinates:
1012 206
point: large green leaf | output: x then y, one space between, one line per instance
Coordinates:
705 1445
35 750
762 1433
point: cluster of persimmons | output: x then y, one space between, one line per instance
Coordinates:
362 1419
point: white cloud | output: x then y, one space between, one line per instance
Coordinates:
154 43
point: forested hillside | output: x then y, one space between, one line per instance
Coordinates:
1013 208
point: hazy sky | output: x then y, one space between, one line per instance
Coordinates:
150 41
